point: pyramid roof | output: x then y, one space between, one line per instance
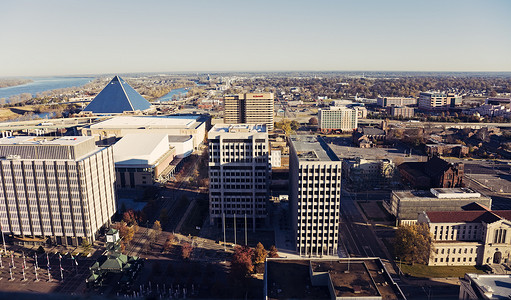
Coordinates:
117 97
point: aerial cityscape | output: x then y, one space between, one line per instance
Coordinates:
255 150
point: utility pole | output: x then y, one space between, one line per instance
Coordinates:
245 229
234 229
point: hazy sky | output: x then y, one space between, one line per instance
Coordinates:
90 37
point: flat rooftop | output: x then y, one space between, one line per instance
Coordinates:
140 148
495 286
238 128
309 279
438 193
312 148
147 122
39 140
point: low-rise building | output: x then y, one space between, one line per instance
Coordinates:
143 159
506 102
476 236
438 101
367 137
183 125
345 278
395 101
484 286
365 173
490 110
401 111
457 150
435 173
406 205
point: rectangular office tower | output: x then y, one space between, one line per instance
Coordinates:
315 195
58 190
249 108
238 173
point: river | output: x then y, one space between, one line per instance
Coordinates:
41 84
176 92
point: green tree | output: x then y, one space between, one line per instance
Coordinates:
294 125
413 243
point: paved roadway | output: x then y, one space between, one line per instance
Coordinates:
359 240
357 235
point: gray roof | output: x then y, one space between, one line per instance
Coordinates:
116 98
312 148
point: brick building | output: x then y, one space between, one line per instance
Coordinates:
435 173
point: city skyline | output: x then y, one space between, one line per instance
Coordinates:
93 37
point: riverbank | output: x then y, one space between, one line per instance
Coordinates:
13 82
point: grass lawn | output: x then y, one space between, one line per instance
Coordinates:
424 271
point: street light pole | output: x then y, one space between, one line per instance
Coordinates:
3 238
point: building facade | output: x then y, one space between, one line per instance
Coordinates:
403 111
472 237
238 173
315 195
366 173
249 108
59 190
406 205
435 173
338 118
143 159
395 101
437 101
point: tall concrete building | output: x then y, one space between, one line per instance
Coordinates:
238 172
339 118
249 108
58 189
315 195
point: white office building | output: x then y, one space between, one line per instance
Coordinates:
338 118
59 189
315 195
238 172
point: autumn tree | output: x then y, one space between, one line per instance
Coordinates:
273 252
186 250
125 232
413 243
260 254
241 262
129 217
156 230
313 121
169 242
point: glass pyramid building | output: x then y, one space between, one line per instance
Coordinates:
117 97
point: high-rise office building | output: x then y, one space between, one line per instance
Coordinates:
238 172
59 189
249 108
315 195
